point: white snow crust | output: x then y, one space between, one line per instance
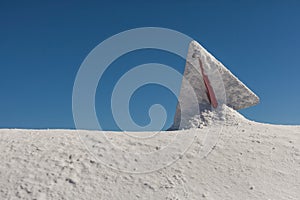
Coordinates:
249 161
193 98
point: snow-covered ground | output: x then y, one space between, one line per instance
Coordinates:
249 161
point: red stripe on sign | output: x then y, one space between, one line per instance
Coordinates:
210 92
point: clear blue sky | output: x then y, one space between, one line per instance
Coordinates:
43 43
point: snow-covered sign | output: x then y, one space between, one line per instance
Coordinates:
208 84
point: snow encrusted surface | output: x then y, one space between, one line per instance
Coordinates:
222 116
238 95
249 161
193 98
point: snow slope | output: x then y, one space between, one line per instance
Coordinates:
249 161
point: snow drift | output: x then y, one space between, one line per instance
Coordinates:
250 161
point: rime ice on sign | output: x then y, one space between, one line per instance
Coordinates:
213 80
